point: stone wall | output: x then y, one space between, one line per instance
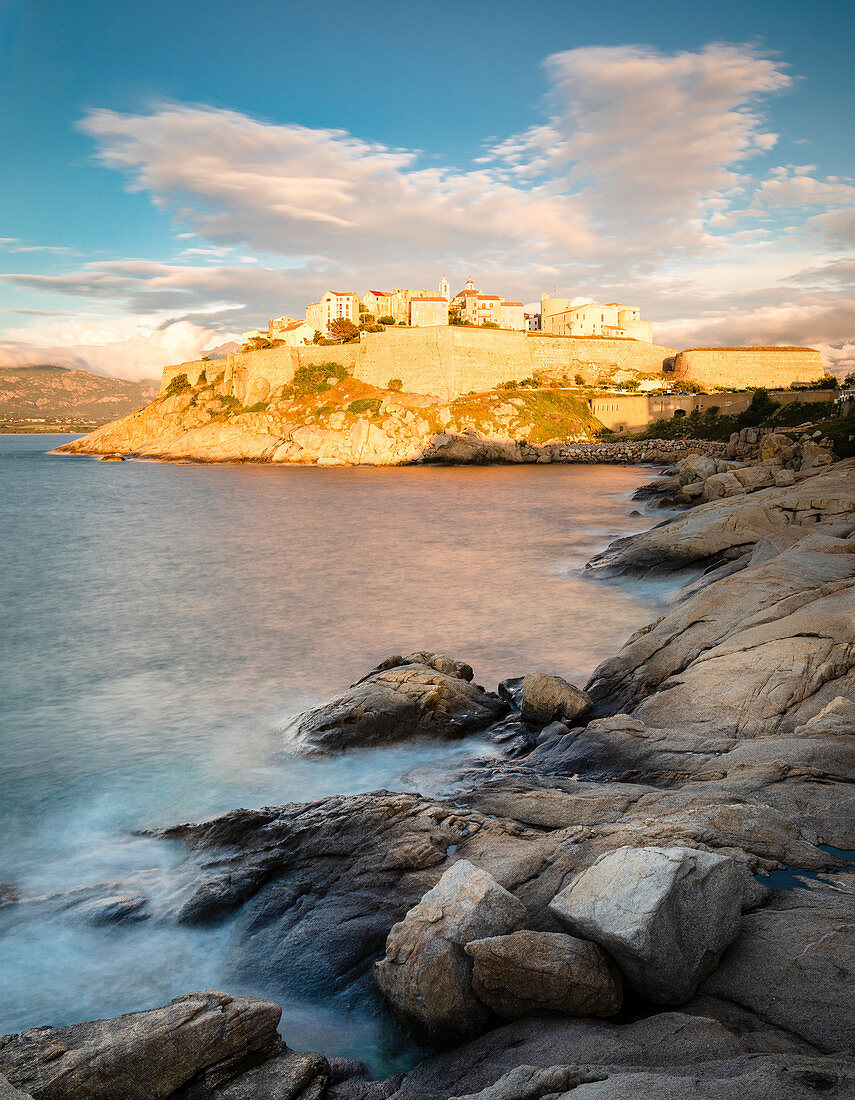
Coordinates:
628 412
740 367
449 361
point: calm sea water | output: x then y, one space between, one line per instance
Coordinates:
160 623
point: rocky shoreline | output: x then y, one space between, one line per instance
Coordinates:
647 891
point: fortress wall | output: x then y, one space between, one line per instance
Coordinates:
456 359
420 357
448 361
769 367
564 353
193 369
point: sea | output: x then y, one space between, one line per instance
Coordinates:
161 623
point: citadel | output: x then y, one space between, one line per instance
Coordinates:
446 346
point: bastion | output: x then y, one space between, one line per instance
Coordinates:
744 366
450 361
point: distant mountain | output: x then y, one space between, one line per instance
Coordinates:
55 393
222 350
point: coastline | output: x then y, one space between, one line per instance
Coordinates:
766 787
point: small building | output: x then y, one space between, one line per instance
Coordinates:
532 322
488 309
294 333
561 318
378 303
253 335
428 312
512 316
334 305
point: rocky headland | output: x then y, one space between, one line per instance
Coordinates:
647 890
336 420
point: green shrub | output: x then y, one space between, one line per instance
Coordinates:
395 385
258 407
386 320
316 379
179 384
370 405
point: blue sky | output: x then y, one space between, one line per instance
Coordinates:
176 172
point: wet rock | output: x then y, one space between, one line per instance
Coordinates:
193 1048
511 691
665 915
115 909
546 699
426 976
422 695
544 974
288 1076
8 894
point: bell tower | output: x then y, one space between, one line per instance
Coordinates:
444 289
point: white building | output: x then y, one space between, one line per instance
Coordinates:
561 317
334 305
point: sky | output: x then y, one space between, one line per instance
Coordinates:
175 173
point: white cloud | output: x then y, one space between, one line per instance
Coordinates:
294 190
115 346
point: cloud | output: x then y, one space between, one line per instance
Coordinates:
114 346
294 190
650 137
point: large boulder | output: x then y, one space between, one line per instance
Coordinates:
544 974
422 695
426 976
547 699
665 915
196 1047
794 963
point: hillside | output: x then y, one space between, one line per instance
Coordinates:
330 418
35 397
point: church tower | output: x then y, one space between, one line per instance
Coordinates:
444 289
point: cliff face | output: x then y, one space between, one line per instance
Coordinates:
330 420
53 392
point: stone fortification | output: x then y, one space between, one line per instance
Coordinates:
445 362
749 366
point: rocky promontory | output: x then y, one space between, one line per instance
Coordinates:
646 890
332 419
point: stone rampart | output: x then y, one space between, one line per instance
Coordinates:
449 361
739 367
445 362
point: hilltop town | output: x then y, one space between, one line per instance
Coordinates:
342 314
